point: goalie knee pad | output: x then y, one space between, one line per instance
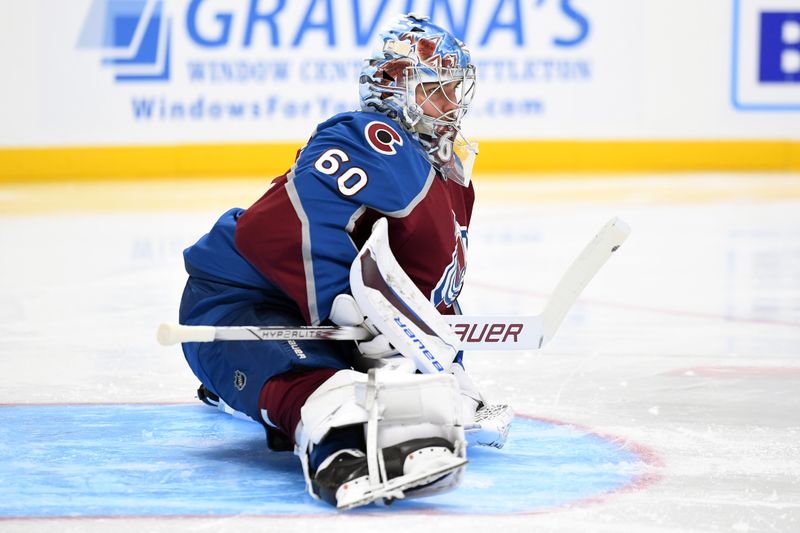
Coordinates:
404 416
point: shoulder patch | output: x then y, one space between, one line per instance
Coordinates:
382 137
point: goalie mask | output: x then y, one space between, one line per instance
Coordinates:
422 77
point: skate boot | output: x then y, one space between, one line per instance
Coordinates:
410 467
207 397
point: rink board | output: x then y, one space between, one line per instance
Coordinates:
166 460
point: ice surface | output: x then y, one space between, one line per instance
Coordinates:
685 348
142 460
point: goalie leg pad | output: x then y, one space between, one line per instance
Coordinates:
395 408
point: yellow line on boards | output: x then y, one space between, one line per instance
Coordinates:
145 162
638 156
19 165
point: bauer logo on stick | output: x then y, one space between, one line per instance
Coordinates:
382 137
497 332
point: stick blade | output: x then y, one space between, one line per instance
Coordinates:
616 232
580 273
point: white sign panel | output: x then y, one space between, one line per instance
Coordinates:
766 72
111 72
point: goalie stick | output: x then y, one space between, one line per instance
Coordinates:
487 332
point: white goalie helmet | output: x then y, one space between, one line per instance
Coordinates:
416 64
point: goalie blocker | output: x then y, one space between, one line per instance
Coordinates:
394 306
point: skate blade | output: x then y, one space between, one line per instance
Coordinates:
394 488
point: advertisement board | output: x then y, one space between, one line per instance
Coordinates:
105 73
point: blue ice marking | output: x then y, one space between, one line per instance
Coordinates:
190 460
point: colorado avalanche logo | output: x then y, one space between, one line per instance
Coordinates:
451 282
382 137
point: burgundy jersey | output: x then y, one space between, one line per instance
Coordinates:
306 230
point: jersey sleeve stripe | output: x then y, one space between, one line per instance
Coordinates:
351 224
308 263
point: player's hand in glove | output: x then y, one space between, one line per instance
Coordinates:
345 312
485 424
491 425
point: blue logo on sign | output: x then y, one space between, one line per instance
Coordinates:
780 48
133 37
766 55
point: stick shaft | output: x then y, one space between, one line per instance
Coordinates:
177 333
475 332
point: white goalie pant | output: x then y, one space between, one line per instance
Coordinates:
395 406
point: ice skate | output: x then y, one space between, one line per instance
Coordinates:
343 480
207 397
